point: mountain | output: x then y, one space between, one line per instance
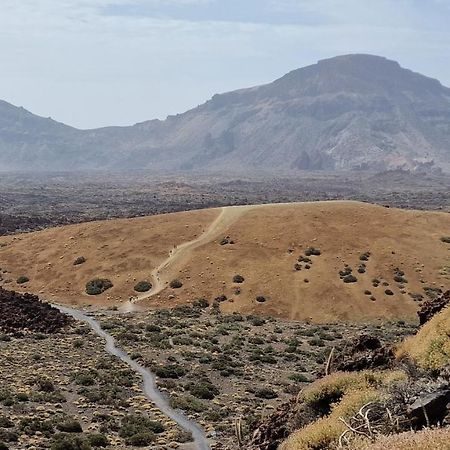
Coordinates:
352 112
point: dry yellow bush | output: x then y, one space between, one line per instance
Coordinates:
351 391
436 439
430 347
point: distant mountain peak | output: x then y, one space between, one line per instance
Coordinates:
349 112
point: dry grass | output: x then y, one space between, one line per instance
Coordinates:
430 348
351 391
436 439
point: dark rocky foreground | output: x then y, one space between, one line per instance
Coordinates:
25 312
431 307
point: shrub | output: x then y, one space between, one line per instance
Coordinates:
445 239
260 299
365 256
430 347
84 379
98 440
134 424
143 286
349 279
388 292
3 446
311 251
400 279
238 279
22 279
22 397
299 378
176 284
204 390
257 321
45 385
141 439
187 403
98 286
173 371
5 422
70 426
266 393
316 342
65 442
200 303
79 260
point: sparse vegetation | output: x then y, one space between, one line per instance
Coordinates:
143 286
238 279
79 260
22 279
176 284
98 286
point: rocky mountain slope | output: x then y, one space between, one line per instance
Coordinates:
352 112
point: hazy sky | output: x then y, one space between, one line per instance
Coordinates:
92 63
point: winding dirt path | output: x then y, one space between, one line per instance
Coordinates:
178 256
150 388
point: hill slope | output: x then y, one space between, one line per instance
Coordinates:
264 244
350 112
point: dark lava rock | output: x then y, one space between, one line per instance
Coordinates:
431 307
25 312
366 352
430 409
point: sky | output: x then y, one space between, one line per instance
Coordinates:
93 63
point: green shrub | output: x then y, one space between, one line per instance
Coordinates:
266 393
84 379
3 446
98 286
200 303
65 442
365 256
5 422
143 286
22 397
136 425
203 389
238 279
79 260
187 403
311 251
173 371
349 279
98 440
317 342
299 378
141 439
22 279
176 284
70 426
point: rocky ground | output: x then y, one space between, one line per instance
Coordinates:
228 371
61 390
31 202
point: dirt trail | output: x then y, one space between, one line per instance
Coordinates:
167 270
161 401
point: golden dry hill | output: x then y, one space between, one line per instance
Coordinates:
394 254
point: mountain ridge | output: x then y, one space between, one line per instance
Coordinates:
350 112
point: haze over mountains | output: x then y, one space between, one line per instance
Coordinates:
353 112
